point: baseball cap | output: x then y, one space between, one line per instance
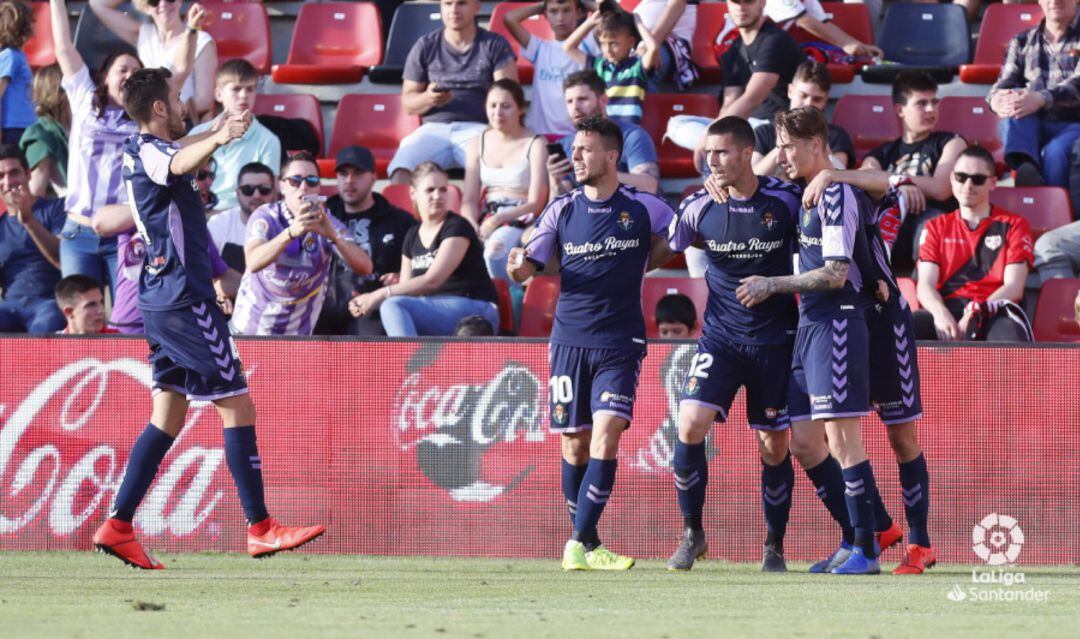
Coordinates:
357 156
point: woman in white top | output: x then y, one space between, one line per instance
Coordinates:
506 184
158 42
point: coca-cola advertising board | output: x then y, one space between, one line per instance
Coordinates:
442 448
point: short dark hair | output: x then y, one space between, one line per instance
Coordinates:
739 129
814 72
544 4
474 326
588 78
254 167
908 82
69 289
980 153
804 123
614 22
608 131
298 156
13 152
143 89
676 308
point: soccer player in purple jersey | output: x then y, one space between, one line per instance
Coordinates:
604 237
191 354
752 232
829 386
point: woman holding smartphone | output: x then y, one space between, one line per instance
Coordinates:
288 253
506 184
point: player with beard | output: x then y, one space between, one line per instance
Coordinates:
752 233
604 236
191 354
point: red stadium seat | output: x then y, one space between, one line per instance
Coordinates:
506 306
870 120
1045 207
710 21
302 106
241 30
538 306
333 43
854 19
536 25
675 161
972 118
39 49
999 24
656 287
376 121
1055 314
398 195
907 289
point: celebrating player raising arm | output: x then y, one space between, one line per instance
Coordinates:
604 236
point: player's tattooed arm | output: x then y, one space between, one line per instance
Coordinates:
643 177
756 289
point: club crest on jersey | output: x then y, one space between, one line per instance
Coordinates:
310 243
992 242
625 221
261 228
806 217
768 221
559 414
692 387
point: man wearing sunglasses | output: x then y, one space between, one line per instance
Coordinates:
255 186
974 262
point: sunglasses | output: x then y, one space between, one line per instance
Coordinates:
204 175
297 180
247 190
155 3
978 179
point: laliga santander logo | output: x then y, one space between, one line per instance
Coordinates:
72 492
997 539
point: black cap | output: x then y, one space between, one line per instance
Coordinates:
357 156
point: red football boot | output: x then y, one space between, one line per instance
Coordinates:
269 537
117 538
917 560
888 538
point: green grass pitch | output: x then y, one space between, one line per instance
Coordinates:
54 594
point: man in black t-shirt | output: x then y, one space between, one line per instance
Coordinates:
376 226
809 87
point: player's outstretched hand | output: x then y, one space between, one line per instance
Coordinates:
812 192
718 193
753 290
516 264
233 128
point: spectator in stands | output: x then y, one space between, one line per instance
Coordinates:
973 262
474 326
29 250
447 74
676 316
671 23
255 186
80 299
204 184
159 44
1057 253
548 113
99 127
378 227
16 108
625 73
288 250
45 142
1038 96
809 16
443 276
235 87
584 93
809 87
505 165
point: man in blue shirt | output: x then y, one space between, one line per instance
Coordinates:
752 233
829 385
29 250
586 97
604 236
192 355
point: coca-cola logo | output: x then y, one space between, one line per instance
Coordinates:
452 428
57 459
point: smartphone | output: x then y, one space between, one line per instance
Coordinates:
440 89
555 150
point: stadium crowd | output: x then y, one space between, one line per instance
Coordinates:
288 260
